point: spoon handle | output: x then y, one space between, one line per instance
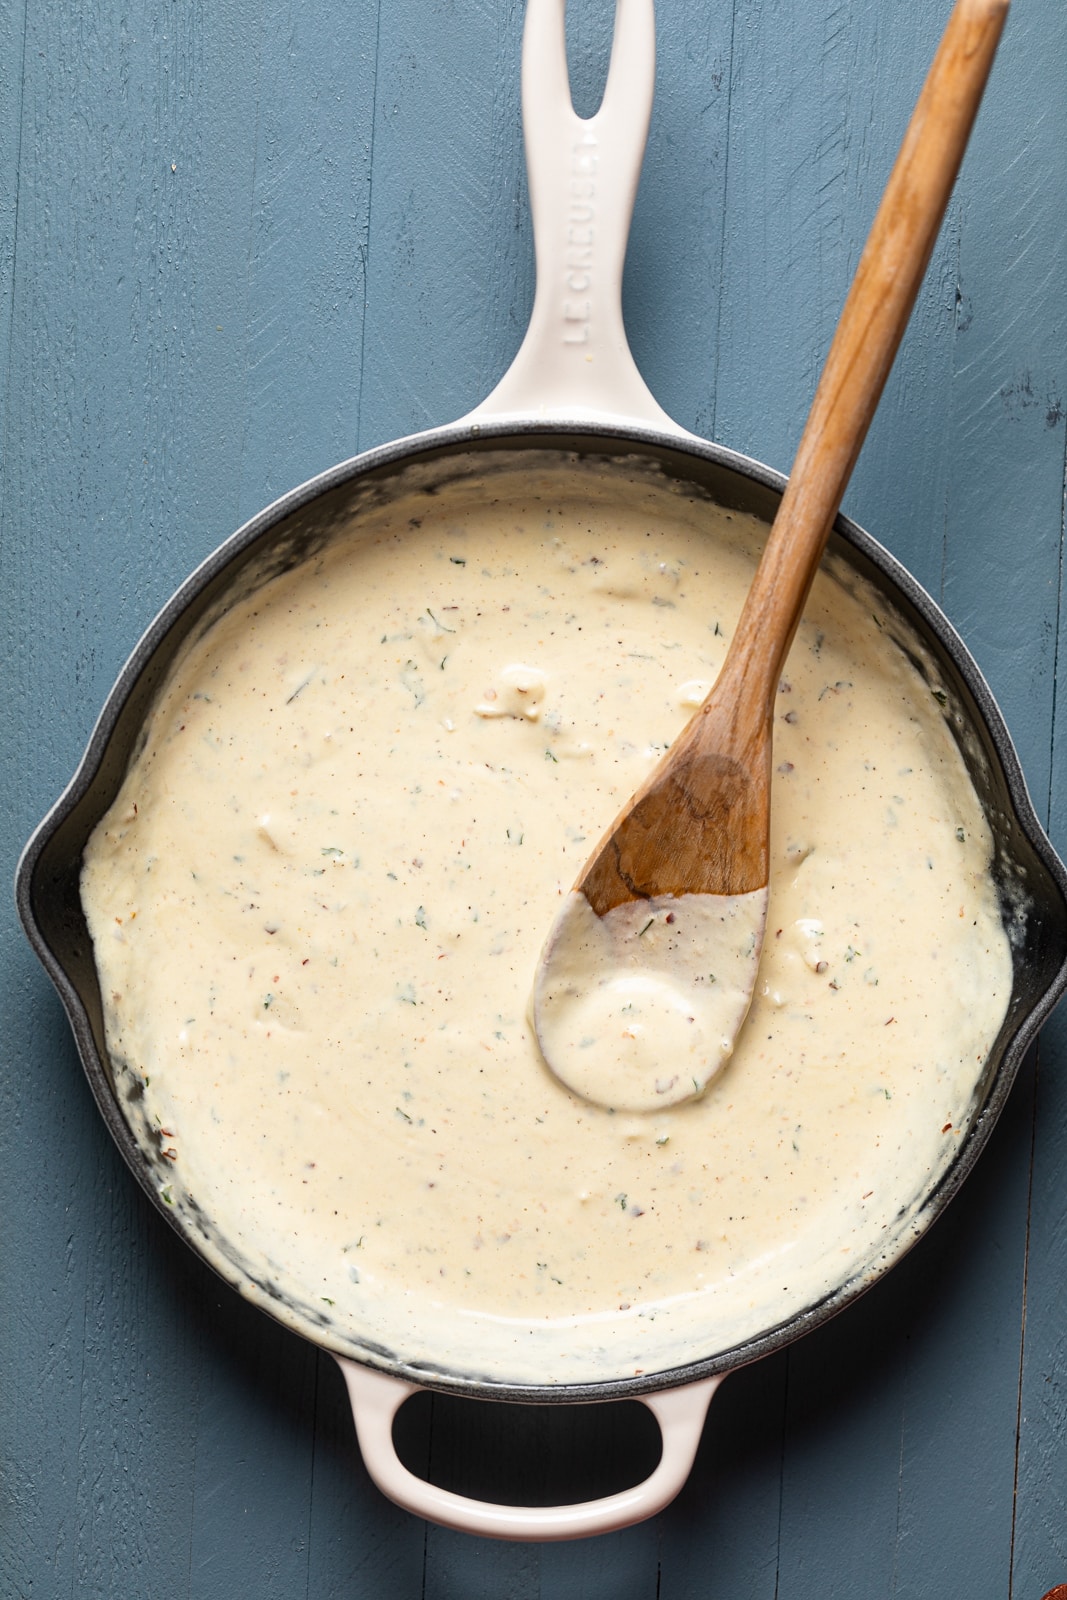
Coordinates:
875 314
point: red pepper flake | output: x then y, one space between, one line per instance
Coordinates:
947 1128
891 1019
669 917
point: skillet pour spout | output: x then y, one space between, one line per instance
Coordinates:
575 394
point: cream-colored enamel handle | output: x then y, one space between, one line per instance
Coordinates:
575 361
376 1398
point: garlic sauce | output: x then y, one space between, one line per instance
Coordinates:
318 901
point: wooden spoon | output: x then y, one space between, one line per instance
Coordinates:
648 970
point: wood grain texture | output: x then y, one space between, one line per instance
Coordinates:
237 242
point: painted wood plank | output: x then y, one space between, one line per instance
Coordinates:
1004 502
1039 1549
673 285
720 1537
12 46
899 1450
81 1476
449 228
309 227
362 1547
819 99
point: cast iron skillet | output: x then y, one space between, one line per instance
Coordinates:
572 389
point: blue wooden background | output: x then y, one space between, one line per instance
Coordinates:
239 241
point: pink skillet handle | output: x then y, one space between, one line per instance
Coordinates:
376 1398
575 361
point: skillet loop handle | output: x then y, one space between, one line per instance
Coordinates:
575 360
376 1398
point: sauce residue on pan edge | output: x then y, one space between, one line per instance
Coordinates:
318 900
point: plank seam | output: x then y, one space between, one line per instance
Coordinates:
320 1357
1059 623
714 434
951 386
370 213
1037 1052
1022 1329
8 378
781 1474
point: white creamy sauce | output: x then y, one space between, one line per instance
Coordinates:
640 1008
318 901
